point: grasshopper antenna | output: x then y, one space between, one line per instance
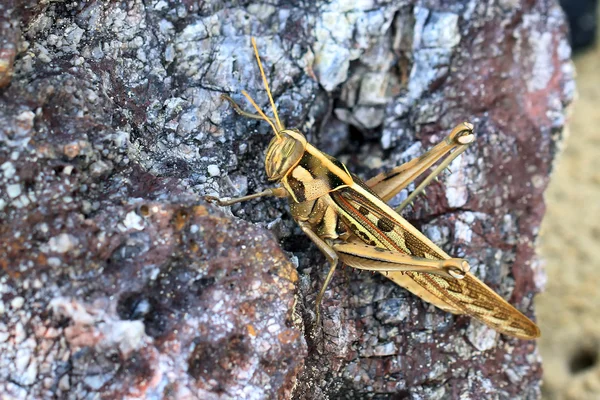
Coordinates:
278 126
262 114
266 83
264 78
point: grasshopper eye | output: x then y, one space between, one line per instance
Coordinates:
288 147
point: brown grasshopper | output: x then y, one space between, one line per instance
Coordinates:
349 221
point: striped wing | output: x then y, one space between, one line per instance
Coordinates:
475 298
375 223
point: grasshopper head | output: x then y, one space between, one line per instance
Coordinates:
287 147
284 152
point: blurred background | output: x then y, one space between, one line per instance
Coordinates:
569 309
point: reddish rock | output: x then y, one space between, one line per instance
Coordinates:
118 281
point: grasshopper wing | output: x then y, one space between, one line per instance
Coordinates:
375 223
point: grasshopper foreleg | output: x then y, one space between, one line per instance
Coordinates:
276 192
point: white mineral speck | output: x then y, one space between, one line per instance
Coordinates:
161 5
22 201
43 55
75 35
141 55
463 231
441 30
169 51
97 53
19 333
17 302
8 169
53 262
538 181
127 335
331 65
513 377
62 243
63 383
188 122
386 349
386 139
295 261
543 62
95 382
481 336
213 170
99 168
133 221
22 359
13 190
456 189
47 383
28 378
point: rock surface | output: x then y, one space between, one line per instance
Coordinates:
117 281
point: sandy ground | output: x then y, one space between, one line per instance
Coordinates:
569 309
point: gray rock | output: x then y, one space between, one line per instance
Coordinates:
112 127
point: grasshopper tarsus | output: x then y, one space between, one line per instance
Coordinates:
212 200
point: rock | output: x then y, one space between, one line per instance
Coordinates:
112 127
213 170
177 308
118 283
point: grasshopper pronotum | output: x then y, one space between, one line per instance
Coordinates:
349 221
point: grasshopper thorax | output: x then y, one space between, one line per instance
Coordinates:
284 152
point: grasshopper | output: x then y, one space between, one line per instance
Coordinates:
349 221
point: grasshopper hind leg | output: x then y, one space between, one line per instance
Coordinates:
387 185
421 188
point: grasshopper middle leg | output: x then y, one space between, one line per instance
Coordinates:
331 256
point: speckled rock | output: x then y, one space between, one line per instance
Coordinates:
118 282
